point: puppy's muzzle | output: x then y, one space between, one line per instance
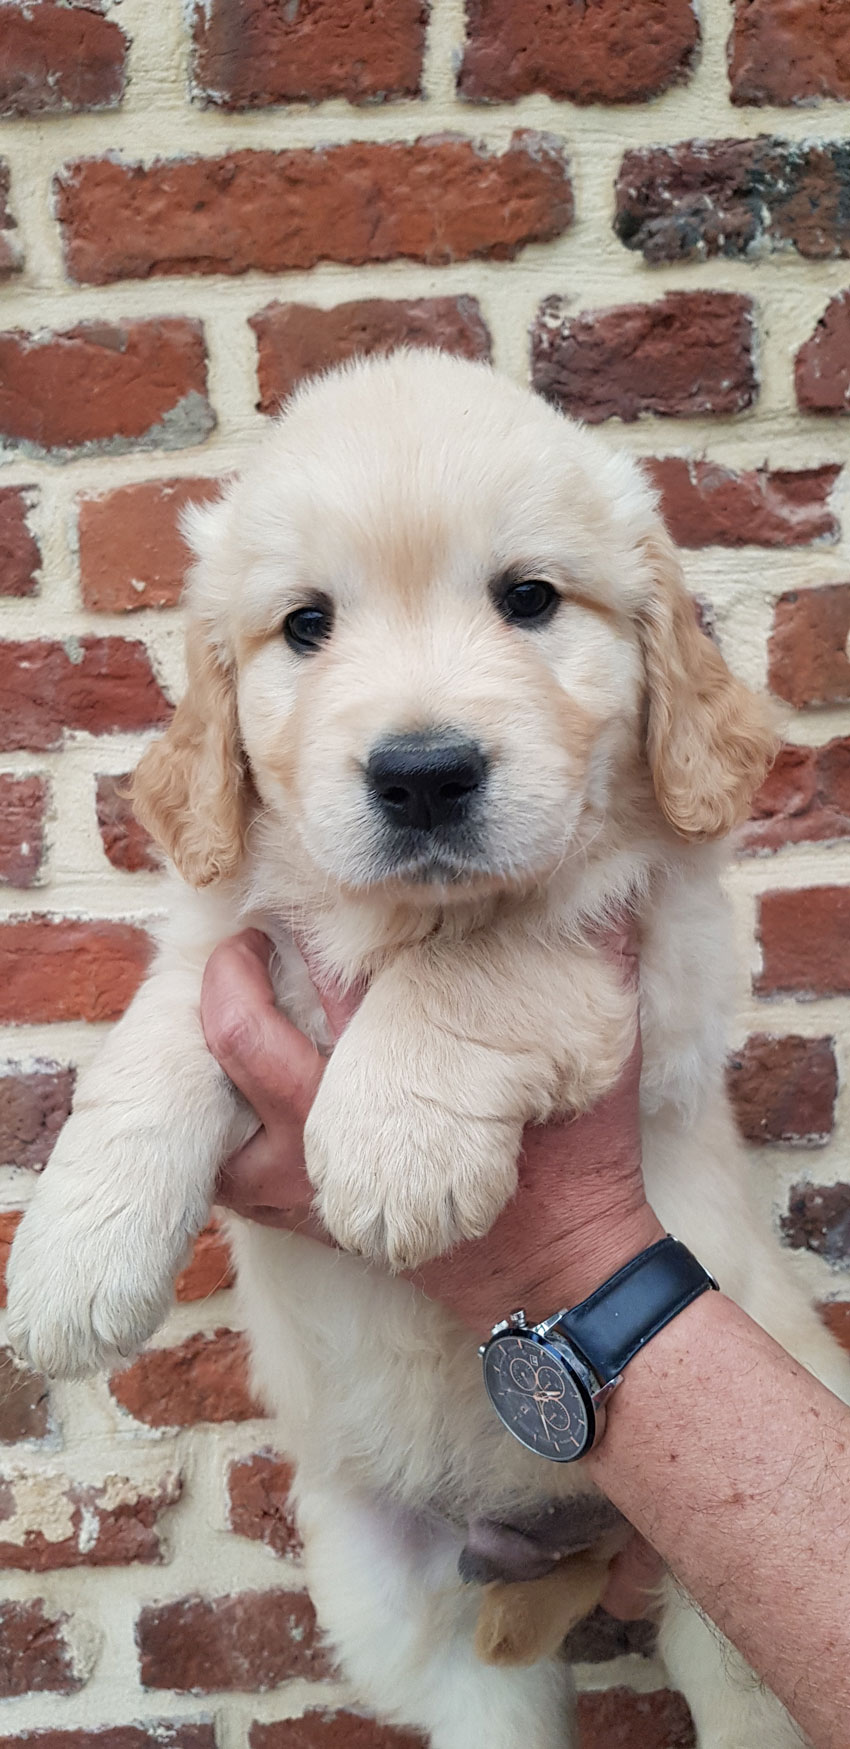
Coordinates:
426 780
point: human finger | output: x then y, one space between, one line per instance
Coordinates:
271 1063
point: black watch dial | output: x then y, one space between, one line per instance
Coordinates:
541 1401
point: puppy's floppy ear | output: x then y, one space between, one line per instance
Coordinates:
709 740
190 787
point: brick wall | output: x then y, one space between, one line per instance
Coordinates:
638 206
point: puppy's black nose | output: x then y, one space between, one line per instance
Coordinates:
425 780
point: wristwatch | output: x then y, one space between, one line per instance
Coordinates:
550 1382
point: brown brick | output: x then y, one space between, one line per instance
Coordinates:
99 685
11 254
789 51
67 969
154 1734
807 650
784 1089
259 1504
247 1643
104 385
9 1222
836 1316
209 1268
111 1525
132 553
24 1405
600 1637
56 57
127 844
20 557
248 54
687 354
321 1728
204 1378
818 1220
615 51
298 340
805 799
34 1104
805 941
618 1719
706 505
36 1655
822 365
437 200
23 801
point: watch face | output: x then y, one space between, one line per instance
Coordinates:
543 1404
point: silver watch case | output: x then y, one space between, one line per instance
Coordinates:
564 1417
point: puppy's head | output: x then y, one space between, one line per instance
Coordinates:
431 630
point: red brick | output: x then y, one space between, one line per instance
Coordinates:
127 844
132 553
204 1378
249 54
20 557
57 57
258 1489
55 969
111 1525
805 799
321 1728
784 1089
298 340
818 1220
217 1645
155 1734
807 650
615 51
23 801
836 1316
9 1221
805 942
822 365
98 685
36 1655
438 200
209 1268
11 254
34 1104
706 505
789 51
24 1405
105 385
687 354
618 1719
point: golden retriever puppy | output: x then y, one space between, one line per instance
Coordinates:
448 710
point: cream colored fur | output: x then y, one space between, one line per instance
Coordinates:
619 746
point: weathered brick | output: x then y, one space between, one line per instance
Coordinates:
703 198
125 841
153 1734
321 1728
11 254
807 649
36 1653
789 51
437 201
784 1089
615 51
818 1220
9 1222
99 685
295 341
249 1642
836 1316
689 353
259 1504
57 56
20 557
615 1718
805 941
34 1104
104 385
24 1404
209 1268
204 1378
248 54
68 969
822 365
132 553
48 1521
23 802
707 505
805 799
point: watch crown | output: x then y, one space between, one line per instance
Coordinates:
481 1347
515 1319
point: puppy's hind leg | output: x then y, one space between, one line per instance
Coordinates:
387 1593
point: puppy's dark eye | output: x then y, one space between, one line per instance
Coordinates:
307 627
528 603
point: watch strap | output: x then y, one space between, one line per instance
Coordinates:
613 1324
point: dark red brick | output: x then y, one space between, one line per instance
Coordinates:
807 650
805 941
68 969
249 54
616 1718
321 1728
99 685
258 1490
822 365
34 1104
23 801
248 1643
295 341
20 557
784 1089
59 55
9 1222
209 1268
11 254
204 1378
600 1637
36 1655
789 51
113 1525
690 353
127 844
805 799
614 51
132 554
155 1734
24 1405
818 1220
707 505
836 1316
